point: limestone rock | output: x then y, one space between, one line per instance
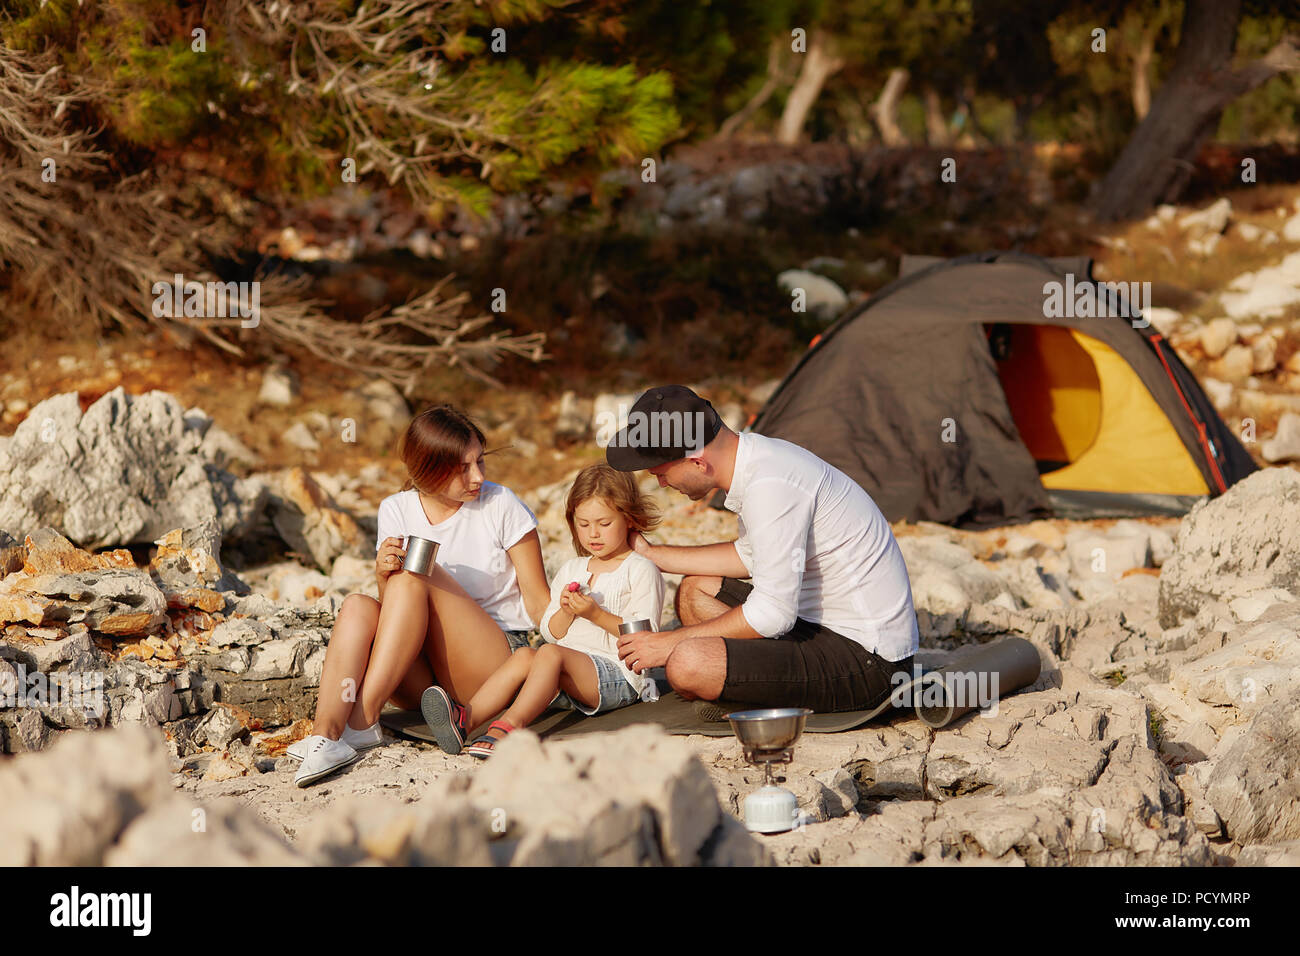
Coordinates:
382 406
1235 365
48 552
300 436
125 472
279 386
65 806
1166 321
572 419
759 394
632 796
12 554
1210 220
176 832
1285 443
946 579
1220 393
609 413
1255 787
1266 293
1110 554
113 601
240 631
187 562
1264 353
821 296
443 829
310 521
1259 665
1225 550
1280 854
1217 336
220 725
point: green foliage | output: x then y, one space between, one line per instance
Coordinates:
1272 110
499 121
28 25
571 113
713 50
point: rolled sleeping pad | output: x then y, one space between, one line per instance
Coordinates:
973 680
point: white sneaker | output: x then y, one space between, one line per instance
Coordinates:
324 756
372 736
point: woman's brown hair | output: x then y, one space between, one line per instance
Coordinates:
619 491
434 445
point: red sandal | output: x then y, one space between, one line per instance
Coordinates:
482 745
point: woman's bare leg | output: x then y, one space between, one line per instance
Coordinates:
346 658
462 645
554 668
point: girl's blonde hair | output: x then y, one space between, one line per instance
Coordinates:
618 489
434 446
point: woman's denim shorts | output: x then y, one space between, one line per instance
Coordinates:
518 639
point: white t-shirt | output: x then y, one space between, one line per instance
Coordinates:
817 547
472 545
632 591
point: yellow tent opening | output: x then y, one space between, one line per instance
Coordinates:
1088 420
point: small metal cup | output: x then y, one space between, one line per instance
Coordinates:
632 627
420 554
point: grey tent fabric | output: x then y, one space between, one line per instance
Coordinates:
903 395
881 413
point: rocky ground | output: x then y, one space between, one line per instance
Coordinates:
1162 729
213 548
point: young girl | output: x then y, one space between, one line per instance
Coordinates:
591 596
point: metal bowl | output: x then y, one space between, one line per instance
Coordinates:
773 729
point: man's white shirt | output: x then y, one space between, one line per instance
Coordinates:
817 547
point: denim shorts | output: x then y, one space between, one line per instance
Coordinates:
615 691
518 639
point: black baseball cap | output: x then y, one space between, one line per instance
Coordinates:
668 422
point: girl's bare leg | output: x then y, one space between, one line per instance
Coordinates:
346 658
462 646
554 668
500 689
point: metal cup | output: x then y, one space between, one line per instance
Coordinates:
632 627
420 554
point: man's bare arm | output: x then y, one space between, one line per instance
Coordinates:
730 624
652 648
720 559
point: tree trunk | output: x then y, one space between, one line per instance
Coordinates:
1141 78
936 124
775 77
884 111
819 63
1157 161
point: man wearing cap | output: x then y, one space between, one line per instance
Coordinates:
827 578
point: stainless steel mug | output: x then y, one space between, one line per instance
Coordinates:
420 554
632 627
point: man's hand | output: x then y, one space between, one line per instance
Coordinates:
646 649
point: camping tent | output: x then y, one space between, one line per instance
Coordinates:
951 396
